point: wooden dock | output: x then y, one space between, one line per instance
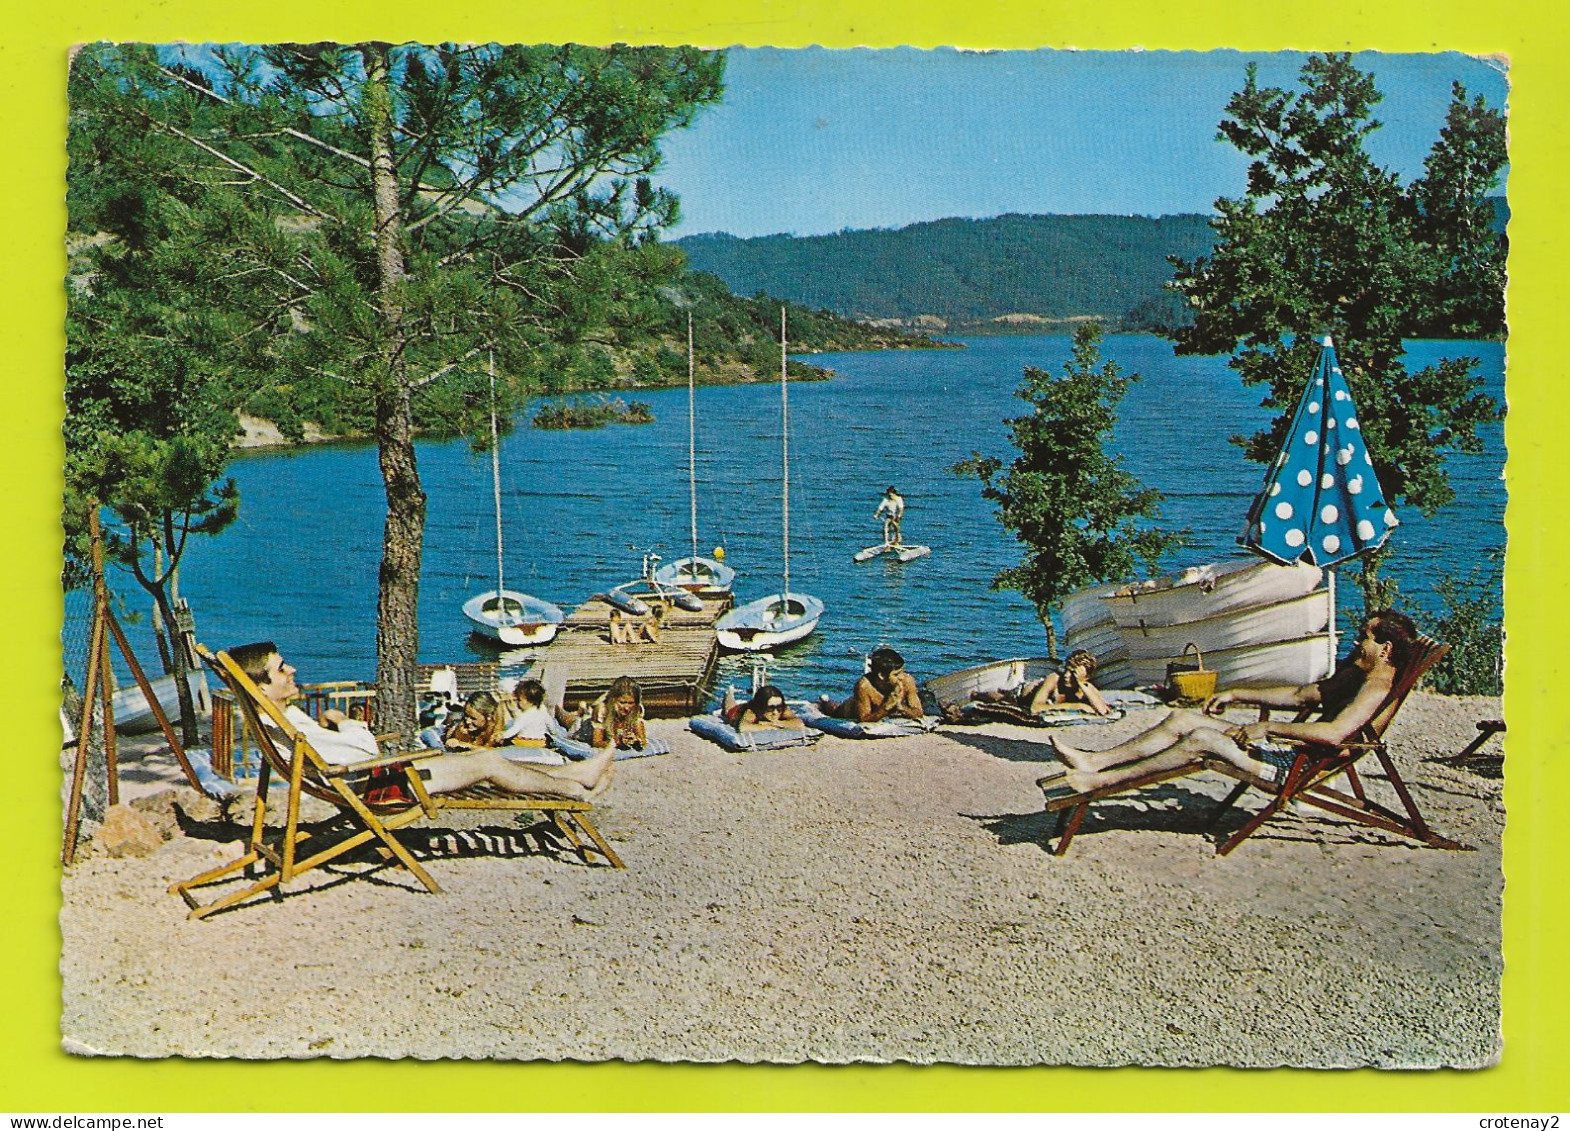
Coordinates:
674 673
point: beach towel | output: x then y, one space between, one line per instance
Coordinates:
716 729
557 737
813 716
1121 703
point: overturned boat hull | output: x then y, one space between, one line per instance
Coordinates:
133 714
1208 591
1259 624
1256 622
960 687
1306 659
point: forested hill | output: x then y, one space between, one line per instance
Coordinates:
1010 271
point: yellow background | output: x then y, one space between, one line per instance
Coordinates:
37 1077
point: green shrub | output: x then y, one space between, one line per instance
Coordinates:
1475 663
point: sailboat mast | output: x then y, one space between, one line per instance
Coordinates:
496 484
785 460
692 444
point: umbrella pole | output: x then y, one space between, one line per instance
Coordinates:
1330 628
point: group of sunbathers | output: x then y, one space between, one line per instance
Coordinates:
489 740
500 740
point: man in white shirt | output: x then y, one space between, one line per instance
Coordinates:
891 509
342 741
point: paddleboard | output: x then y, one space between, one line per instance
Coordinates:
901 553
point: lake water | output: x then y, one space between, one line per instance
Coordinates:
300 564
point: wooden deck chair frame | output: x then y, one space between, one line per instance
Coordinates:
1315 766
275 858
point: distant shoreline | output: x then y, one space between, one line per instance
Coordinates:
260 434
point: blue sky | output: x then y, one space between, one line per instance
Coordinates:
812 141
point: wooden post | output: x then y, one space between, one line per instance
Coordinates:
98 683
73 809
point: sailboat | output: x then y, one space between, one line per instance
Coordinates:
705 576
504 615
782 617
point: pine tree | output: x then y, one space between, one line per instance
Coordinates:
1325 241
382 217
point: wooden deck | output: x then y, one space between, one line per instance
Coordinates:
674 674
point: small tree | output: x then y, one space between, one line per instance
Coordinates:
1081 517
1324 240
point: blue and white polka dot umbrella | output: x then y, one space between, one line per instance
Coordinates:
1321 501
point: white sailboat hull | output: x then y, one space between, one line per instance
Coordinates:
703 576
1257 623
133 715
769 622
512 618
1209 590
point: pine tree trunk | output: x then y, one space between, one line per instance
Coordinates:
176 665
397 608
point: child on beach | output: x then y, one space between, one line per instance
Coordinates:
475 727
523 737
616 719
649 630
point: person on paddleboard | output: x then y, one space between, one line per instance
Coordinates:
891 509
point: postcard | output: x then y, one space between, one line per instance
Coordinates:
933 556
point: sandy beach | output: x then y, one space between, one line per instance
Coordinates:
854 901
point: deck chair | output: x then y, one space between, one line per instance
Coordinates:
1317 764
373 800
1308 781
276 857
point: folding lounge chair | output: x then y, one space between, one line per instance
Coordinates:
1317 764
1307 781
363 794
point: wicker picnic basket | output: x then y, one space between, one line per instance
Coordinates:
1191 681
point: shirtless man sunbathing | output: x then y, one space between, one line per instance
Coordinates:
886 691
342 741
1347 700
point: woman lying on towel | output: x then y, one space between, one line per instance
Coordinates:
766 710
1067 690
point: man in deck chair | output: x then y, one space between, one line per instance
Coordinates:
343 741
1346 700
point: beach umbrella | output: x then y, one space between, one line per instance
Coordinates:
1321 502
